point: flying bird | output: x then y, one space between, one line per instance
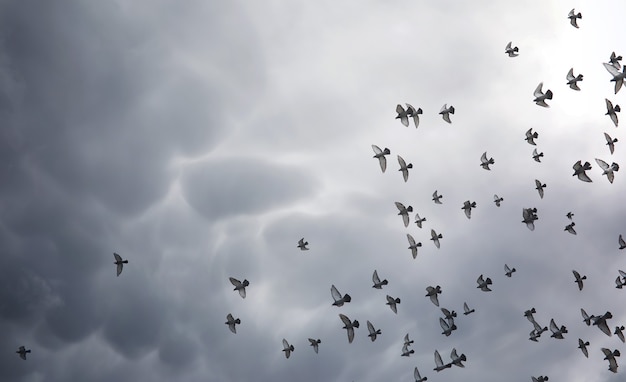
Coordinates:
446 111
414 113
393 302
467 310
537 156
540 97
586 318
380 155
497 200
437 198
614 60
287 348
610 356
467 208
534 336
612 111
404 168
540 187
434 236
439 365
579 170
582 345
579 279
508 271
572 16
610 142
418 377
240 286
531 136
457 359
377 283
569 215
572 80
600 322
432 293
620 282
512 52
529 314
447 328
338 297
541 378
404 212
349 326
406 352
484 162
315 343
22 352
483 284
618 77
622 243
419 220
556 331
619 332
403 115
607 170
570 228
231 322
413 245
448 314
529 216
373 332
407 341
302 244
119 262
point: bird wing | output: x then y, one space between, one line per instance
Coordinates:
375 277
438 360
335 293
570 75
120 266
235 282
611 69
538 92
446 117
117 257
370 328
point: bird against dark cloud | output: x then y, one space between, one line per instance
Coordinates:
315 343
119 262
231 322
610 142
511 51
446 111
573 16
579 170
302 244
612 111
540 97
287 348
484 162
572 80
377 283
338 297
531 136
349 326
240 286
22 352
380 155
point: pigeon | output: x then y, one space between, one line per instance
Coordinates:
529 314
540 97
484 162
610 356
377 283
622 243
407 341
612 111
586 318
435 237
607 170
614 60
413 245
406 352
484 284
393 302
349 326
339 299
531 136
569 215
610 142
540 187
380 155
572 80
497 200
534 336
419 220
618 77
467 208
231 322
447 328
22 352
541 378
446 111
582 345
316 344
417 376
572 16
432 293
508 271
600 322
373 331
404 212
119 262
302 244
404 168
620 282
456 359
240 286
579 170
448 314
403 115
619 332
437 198
529 215
287 348
439 363
414 113
537 156
538 329
570 228
512 52
556 331
467 310
579 279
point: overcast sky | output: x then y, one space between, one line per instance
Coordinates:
201 140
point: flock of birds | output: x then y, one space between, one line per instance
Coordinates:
529 216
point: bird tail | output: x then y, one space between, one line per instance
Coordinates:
549 94
451 110
355 324
347 298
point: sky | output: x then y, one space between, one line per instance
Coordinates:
201 140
